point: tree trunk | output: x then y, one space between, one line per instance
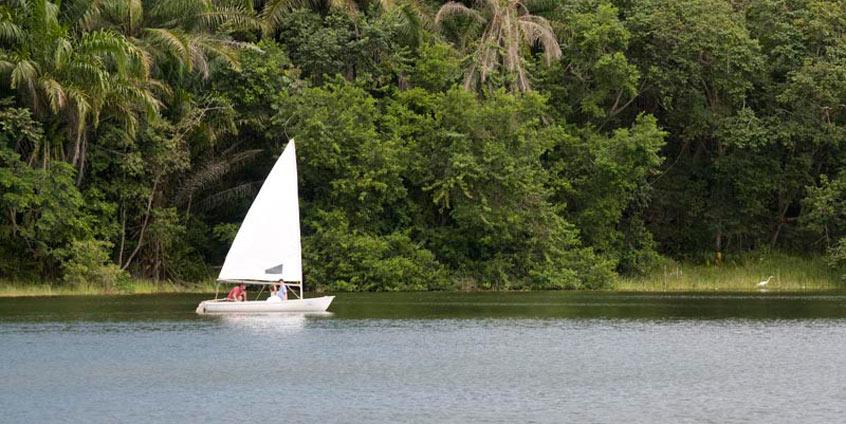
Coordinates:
82 155
782 205
122 233
143 225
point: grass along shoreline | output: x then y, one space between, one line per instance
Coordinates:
136 286
741 274
790 274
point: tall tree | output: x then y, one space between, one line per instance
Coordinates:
67 77
508 32
699 65
187 32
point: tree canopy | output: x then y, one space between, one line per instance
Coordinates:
493 144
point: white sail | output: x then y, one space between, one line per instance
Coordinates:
267 246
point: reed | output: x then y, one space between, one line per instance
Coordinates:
742 273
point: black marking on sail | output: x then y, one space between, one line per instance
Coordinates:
274 270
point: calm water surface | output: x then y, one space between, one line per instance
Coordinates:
429 357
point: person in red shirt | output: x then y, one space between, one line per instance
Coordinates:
238 293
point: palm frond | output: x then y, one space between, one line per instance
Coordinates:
154 85
90 70
141 60
6 65
228 196
103 41
411 23
136 95
219 48
173 42
273 12
233 18
62 53
126 113
199 62
55 93
108 44
148 101
23 77
48 15
10 32
90 17
186 14
211 172
453 9
536 29
24 74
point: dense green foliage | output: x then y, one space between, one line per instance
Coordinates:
499 144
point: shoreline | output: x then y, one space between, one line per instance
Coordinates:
789 273
137 287
9 292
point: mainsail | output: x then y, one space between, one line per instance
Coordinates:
267 246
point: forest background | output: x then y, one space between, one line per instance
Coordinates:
498 144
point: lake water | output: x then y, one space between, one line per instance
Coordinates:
546 357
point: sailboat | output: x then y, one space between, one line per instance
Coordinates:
267 248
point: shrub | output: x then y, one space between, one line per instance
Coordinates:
837 257
87 263
342 259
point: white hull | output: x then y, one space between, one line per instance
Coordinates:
314 304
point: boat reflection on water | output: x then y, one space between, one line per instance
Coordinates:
271 321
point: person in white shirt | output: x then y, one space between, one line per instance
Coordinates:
278 292
282 292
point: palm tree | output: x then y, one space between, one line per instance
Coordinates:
187 32
68 78
508 30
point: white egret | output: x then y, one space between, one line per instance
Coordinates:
764 283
